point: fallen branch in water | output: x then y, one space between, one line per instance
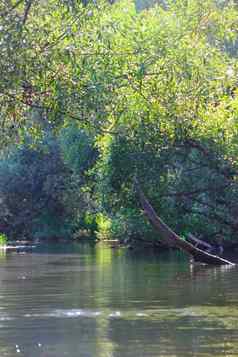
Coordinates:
172 239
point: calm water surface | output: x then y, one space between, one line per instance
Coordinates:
103 302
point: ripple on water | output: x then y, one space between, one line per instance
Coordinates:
6 318
76 313
115 314
72 313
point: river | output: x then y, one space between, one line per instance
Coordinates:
96 301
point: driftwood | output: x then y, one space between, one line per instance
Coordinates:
170 238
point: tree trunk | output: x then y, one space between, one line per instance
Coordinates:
172 239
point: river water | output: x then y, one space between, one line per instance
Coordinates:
101 302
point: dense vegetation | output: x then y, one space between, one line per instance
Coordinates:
95 93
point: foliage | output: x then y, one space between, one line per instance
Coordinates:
3 239
78 155
37 191
125 93
31 188
103 226
173 130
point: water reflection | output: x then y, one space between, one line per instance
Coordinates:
96 301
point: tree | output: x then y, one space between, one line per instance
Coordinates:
154 90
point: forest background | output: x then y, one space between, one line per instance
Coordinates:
96 93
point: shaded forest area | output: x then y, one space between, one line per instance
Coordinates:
95 93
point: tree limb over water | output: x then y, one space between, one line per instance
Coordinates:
172 239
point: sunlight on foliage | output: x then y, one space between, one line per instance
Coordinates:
124 90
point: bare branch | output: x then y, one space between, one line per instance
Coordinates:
27 11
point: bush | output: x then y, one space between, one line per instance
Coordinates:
3 239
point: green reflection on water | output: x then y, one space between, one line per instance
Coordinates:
96 301
2 253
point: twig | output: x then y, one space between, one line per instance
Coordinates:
27 11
